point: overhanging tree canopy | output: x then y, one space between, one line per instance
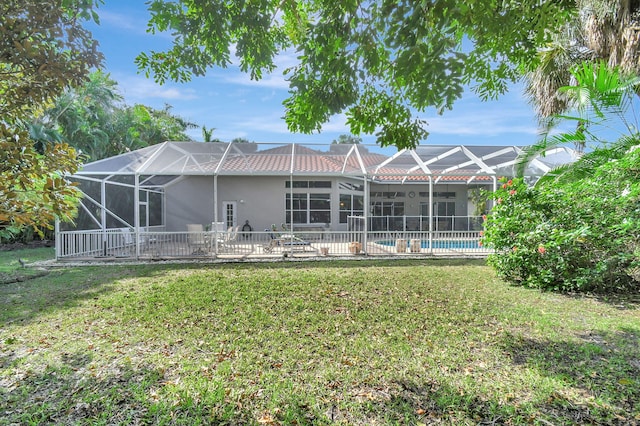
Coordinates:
376 61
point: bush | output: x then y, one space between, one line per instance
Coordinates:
572 234
24 234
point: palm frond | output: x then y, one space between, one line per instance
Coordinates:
549 141
588 162
553 175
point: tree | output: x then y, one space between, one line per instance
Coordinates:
347 139
207 134
377 62
603 30
602 98
161 125
83 115
43 50
572 234
93 119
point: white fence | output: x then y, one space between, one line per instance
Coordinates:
421 223
127 244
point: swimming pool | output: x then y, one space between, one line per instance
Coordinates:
438 244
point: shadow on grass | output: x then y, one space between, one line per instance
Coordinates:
74 392
621 301
597 376
68 392
65 288
430 403
602 368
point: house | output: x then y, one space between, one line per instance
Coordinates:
304 187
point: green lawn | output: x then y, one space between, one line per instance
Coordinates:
354 343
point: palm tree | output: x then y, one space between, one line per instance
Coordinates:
42 135
601 30
601 95
93 119
207 134
80 114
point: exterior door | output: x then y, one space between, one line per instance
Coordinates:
230 213
444 212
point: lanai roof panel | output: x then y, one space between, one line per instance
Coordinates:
127 163
199 158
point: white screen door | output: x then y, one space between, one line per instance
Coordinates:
230 212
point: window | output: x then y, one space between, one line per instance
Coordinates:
350 186
447 208
155 209
308 184
351 205
388 208
440 194
446 194
299 208
308 208
440 208
388 194
387 215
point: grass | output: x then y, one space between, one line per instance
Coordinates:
11 270
357 343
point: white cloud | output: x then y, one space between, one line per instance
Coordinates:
268 97
132 21
337 123
264 123
128 22
273 81
140 89
478 123
276 124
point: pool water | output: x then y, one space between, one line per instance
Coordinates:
438 244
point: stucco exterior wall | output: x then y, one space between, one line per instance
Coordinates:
188 200
261 199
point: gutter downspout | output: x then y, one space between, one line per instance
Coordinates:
293 156
495 188
216 172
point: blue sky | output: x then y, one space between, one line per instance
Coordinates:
227 100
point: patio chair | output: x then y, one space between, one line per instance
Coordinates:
284 241
219 233
228 238
197 239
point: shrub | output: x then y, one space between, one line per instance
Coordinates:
572 234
